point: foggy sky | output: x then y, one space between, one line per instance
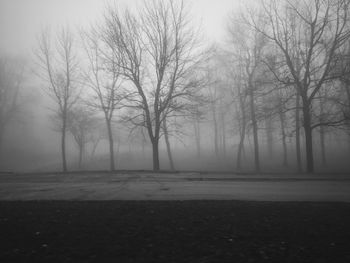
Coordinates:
22 20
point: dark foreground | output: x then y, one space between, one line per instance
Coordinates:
174 231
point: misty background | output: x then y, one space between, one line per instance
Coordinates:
209 84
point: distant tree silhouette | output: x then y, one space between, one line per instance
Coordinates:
103 77
11 81
58 66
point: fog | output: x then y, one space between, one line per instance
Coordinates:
200 99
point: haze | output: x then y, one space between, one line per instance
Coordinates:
216 124
21 20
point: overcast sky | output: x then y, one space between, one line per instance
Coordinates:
21 20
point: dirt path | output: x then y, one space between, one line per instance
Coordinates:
171 187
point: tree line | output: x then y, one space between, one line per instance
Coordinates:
282 71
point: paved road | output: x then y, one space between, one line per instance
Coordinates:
172 187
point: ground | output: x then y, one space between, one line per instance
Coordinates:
82 218
174 231
174 186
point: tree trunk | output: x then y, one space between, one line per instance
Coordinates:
111 145
240 148
297 134
80 156
242 133
63 142
269 135
347 89
223 133
323 146
155 149
242 130
167 142
144 141
94 147
308 136
118 151
216 146
197 137
322 136
283 133
255 129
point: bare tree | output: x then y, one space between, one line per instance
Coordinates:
249 46
322 128
235 76
167 143
197 131
198 115
156 52
285 100
95 139
103 77
11 80
279 106
213 95
58 62
308 34
297 132
268 117
81 123
342 97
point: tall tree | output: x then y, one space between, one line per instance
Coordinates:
103 76
236 79
308 34
196 120
156 51
249 47
213 95
167 143
284 100
297 133
81 124
58 62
